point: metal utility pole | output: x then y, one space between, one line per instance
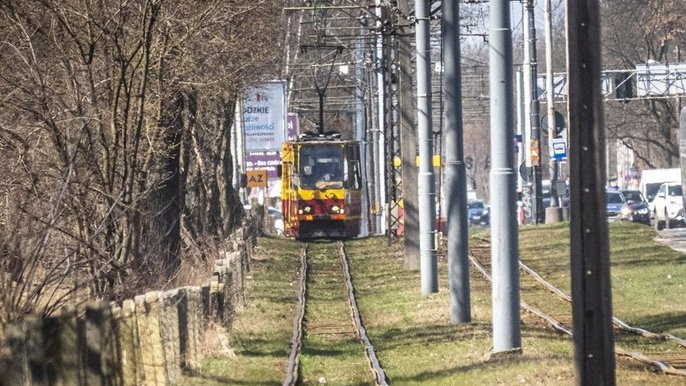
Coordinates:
360 126
535 138
380 186
408 138
426 180
504 247
591 288
521 125
456 174
554 212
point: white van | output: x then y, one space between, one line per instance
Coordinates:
651 179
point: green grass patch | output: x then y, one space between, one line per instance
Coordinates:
411 333
261 335
648 277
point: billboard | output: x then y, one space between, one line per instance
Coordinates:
264 160
264 117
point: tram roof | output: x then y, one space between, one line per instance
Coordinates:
334 138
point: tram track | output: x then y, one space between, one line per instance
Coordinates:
543 301
302 326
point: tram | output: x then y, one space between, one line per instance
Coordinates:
321 187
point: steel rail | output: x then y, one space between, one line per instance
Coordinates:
374 364
527 307
293 368
619 324
662 366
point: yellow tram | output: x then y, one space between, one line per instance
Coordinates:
321 187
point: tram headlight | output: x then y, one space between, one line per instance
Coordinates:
305 210
337 209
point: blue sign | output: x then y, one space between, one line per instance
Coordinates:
558 148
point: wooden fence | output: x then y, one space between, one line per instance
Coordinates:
147 340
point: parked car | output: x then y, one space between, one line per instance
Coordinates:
668 205
615 202
636 207
651 179
478 213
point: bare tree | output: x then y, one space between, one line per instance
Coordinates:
658 28
112 112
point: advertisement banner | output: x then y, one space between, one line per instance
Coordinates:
293 127
264 160
264 117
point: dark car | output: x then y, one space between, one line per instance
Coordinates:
477 212
636 207
614 201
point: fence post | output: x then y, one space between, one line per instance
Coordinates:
228 300
145 352
35 350
169 328
129 344
16 369
153 301
99 356
196 322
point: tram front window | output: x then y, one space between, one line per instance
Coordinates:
321 167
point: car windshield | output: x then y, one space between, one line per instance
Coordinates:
651 190
633 195
321 167
675 190
475 205
615 198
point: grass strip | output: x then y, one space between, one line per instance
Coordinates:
412 336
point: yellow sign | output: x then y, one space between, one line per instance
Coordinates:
257 178
534 152
436 160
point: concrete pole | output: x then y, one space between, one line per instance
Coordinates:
426 181
380 142
535 140
521 125
240 148
594 352
526 86
408 139
360 126
504 244
456 174
372 130
527 186
554 214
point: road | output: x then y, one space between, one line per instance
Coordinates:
675 238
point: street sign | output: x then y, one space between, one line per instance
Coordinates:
526 172
558 149
560 124
256 178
